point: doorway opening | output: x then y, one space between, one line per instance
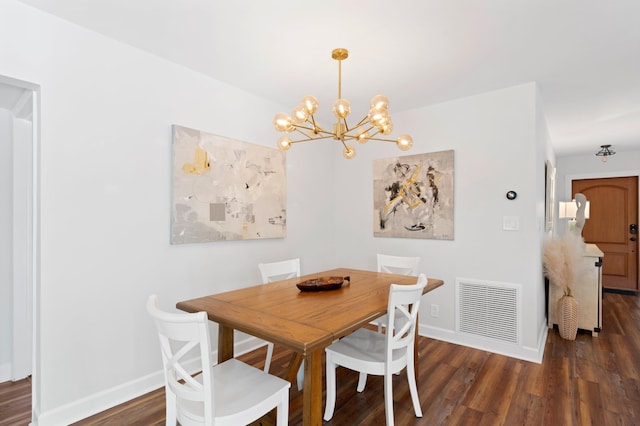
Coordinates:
19 220
612 226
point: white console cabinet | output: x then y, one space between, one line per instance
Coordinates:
588 294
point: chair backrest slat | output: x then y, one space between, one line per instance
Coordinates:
282 270
402 312
182 337
398 264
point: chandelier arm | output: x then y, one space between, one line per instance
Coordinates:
325 132
351 137
316 130
311 139
346 126
363 121
383 140
317 136
316 126
357 127
311 129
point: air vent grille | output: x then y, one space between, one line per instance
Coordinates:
488 310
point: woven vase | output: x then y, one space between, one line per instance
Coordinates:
568 317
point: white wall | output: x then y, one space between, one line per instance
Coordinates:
106 112
6 243
494 136
106 115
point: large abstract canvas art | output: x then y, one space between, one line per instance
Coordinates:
224 189
413 196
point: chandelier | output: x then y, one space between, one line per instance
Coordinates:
605 152
377 122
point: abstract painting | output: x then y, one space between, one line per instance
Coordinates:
224 189
413 196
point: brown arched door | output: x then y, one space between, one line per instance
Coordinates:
612 220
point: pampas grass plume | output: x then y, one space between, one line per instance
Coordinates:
563 261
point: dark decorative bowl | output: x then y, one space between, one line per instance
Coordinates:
322 283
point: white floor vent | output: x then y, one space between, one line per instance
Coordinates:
488 309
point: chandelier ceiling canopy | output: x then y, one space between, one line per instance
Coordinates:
375 124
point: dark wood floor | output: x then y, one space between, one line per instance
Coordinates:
589 381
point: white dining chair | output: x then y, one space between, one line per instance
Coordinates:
282 270
400 265
230 393
276 271
382 354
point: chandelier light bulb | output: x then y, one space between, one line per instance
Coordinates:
378 117
341 108
404 142
379 102
282 122
387 128
311 104
362 136
284 143
349 152
299 114
383 123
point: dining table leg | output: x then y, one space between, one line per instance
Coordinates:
292 374
312 393
225 343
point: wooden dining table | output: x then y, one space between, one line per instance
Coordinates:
304 321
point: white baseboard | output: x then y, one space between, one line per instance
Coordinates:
109 398
514 351
96 403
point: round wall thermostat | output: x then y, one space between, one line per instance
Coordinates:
511 195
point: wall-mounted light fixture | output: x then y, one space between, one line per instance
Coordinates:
605 152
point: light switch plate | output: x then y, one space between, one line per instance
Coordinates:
510 223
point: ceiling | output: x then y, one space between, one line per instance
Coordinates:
584 54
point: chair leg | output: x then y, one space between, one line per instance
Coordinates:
170 410
267 362
362 382
331 388
388 398
282 410
413 389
